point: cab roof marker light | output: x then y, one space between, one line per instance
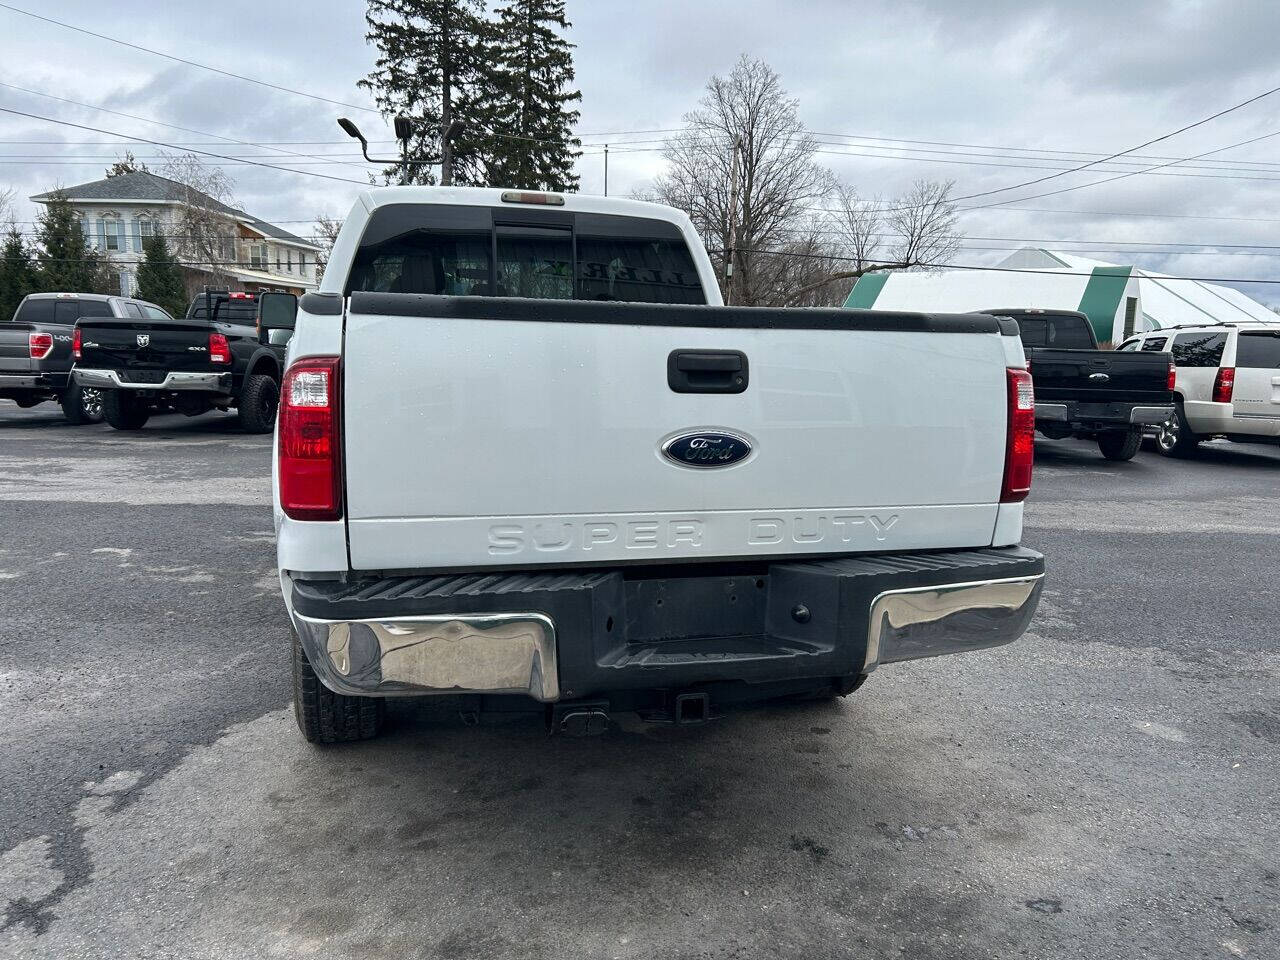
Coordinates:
522 196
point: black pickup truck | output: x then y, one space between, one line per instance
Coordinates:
217 357
35 352
1085 392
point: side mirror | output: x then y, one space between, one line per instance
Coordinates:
277 311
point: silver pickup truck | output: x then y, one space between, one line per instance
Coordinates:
523 450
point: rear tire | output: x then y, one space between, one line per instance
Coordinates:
259 401
327 717
1174 437
123 410
81 405
1120 446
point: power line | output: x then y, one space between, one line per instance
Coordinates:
1141 146
1122 176
205 153
159 123
189 63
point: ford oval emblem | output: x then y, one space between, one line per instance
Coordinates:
707 449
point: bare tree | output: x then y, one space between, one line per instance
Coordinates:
743 169
858 226
924 221
918 229
325 233
204 231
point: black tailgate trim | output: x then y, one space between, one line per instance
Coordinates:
666 315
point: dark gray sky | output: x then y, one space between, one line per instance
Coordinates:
991 77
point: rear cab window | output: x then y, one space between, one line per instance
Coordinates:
535 254
35 311
1056 331
1258 349
240 310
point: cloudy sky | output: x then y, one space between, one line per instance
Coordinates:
987 93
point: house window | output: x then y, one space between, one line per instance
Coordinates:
114 233
289 260
302 263
258 257
277 259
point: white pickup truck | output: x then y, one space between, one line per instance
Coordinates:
523 450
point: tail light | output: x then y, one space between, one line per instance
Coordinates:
309 451
219 349
75 344
39 345
1019 451
1223 384
1171 380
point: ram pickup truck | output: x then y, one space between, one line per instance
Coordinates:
523 451
1104 395
35 350
217 357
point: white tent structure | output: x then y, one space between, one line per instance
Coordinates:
1118 300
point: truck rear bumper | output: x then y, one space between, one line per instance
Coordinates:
34 381
569 635
1096 415
173 380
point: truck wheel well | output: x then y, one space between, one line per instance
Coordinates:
265 365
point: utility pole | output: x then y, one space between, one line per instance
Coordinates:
731 253
606 169
446 103
446 152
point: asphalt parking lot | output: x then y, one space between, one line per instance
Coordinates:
1105 787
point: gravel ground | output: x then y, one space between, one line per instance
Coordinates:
1105 787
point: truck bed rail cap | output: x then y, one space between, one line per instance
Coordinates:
664 315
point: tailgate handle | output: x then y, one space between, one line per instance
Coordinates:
707 371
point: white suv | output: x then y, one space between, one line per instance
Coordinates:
1228 383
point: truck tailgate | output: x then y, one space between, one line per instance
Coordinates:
1103 375
15 353
141 348
478 437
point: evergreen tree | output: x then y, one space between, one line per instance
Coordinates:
65 262
17 272
433 67
160 277
534 94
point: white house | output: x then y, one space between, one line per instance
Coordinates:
1118 300
117 213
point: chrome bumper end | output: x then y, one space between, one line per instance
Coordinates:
947 618
475 653
1150 415
174 380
